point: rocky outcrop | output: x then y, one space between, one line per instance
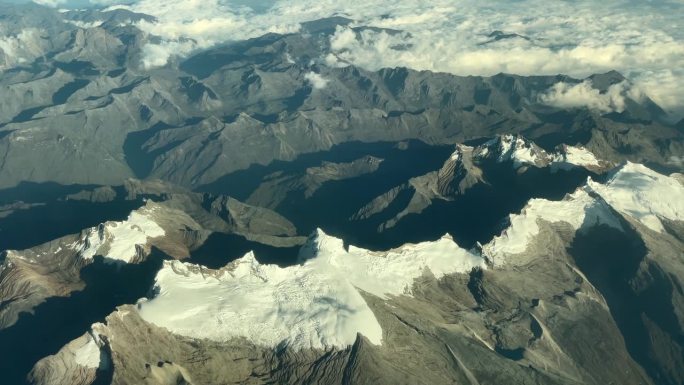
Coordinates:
211 212
276 188
455 177
79 362
28 277
459 173
248 219
480 166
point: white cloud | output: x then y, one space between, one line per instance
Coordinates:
317 81
158 55
50 3
643 40
84 24
566 95
206 22
664 87
23 47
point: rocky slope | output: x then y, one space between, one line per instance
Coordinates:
470 167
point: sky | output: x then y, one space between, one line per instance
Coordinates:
641 39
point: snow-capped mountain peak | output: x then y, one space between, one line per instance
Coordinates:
579 210
513 148
640 193
523 152
120 240
633 191
317 304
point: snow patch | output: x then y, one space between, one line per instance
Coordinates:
50 3
289 59
633 190
13 255
299 307
676 161
88 355
393 272
315 305
636 191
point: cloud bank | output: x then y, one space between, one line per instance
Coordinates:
642 39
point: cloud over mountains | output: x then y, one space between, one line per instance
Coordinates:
641 39
566 95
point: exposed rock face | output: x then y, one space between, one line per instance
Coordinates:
276 188
456 176
628 253
523 153
319 303
100 194
213 213
85 275
251 219
459 173
9 209
515 149
76 363
28 277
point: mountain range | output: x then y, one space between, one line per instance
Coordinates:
249 213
